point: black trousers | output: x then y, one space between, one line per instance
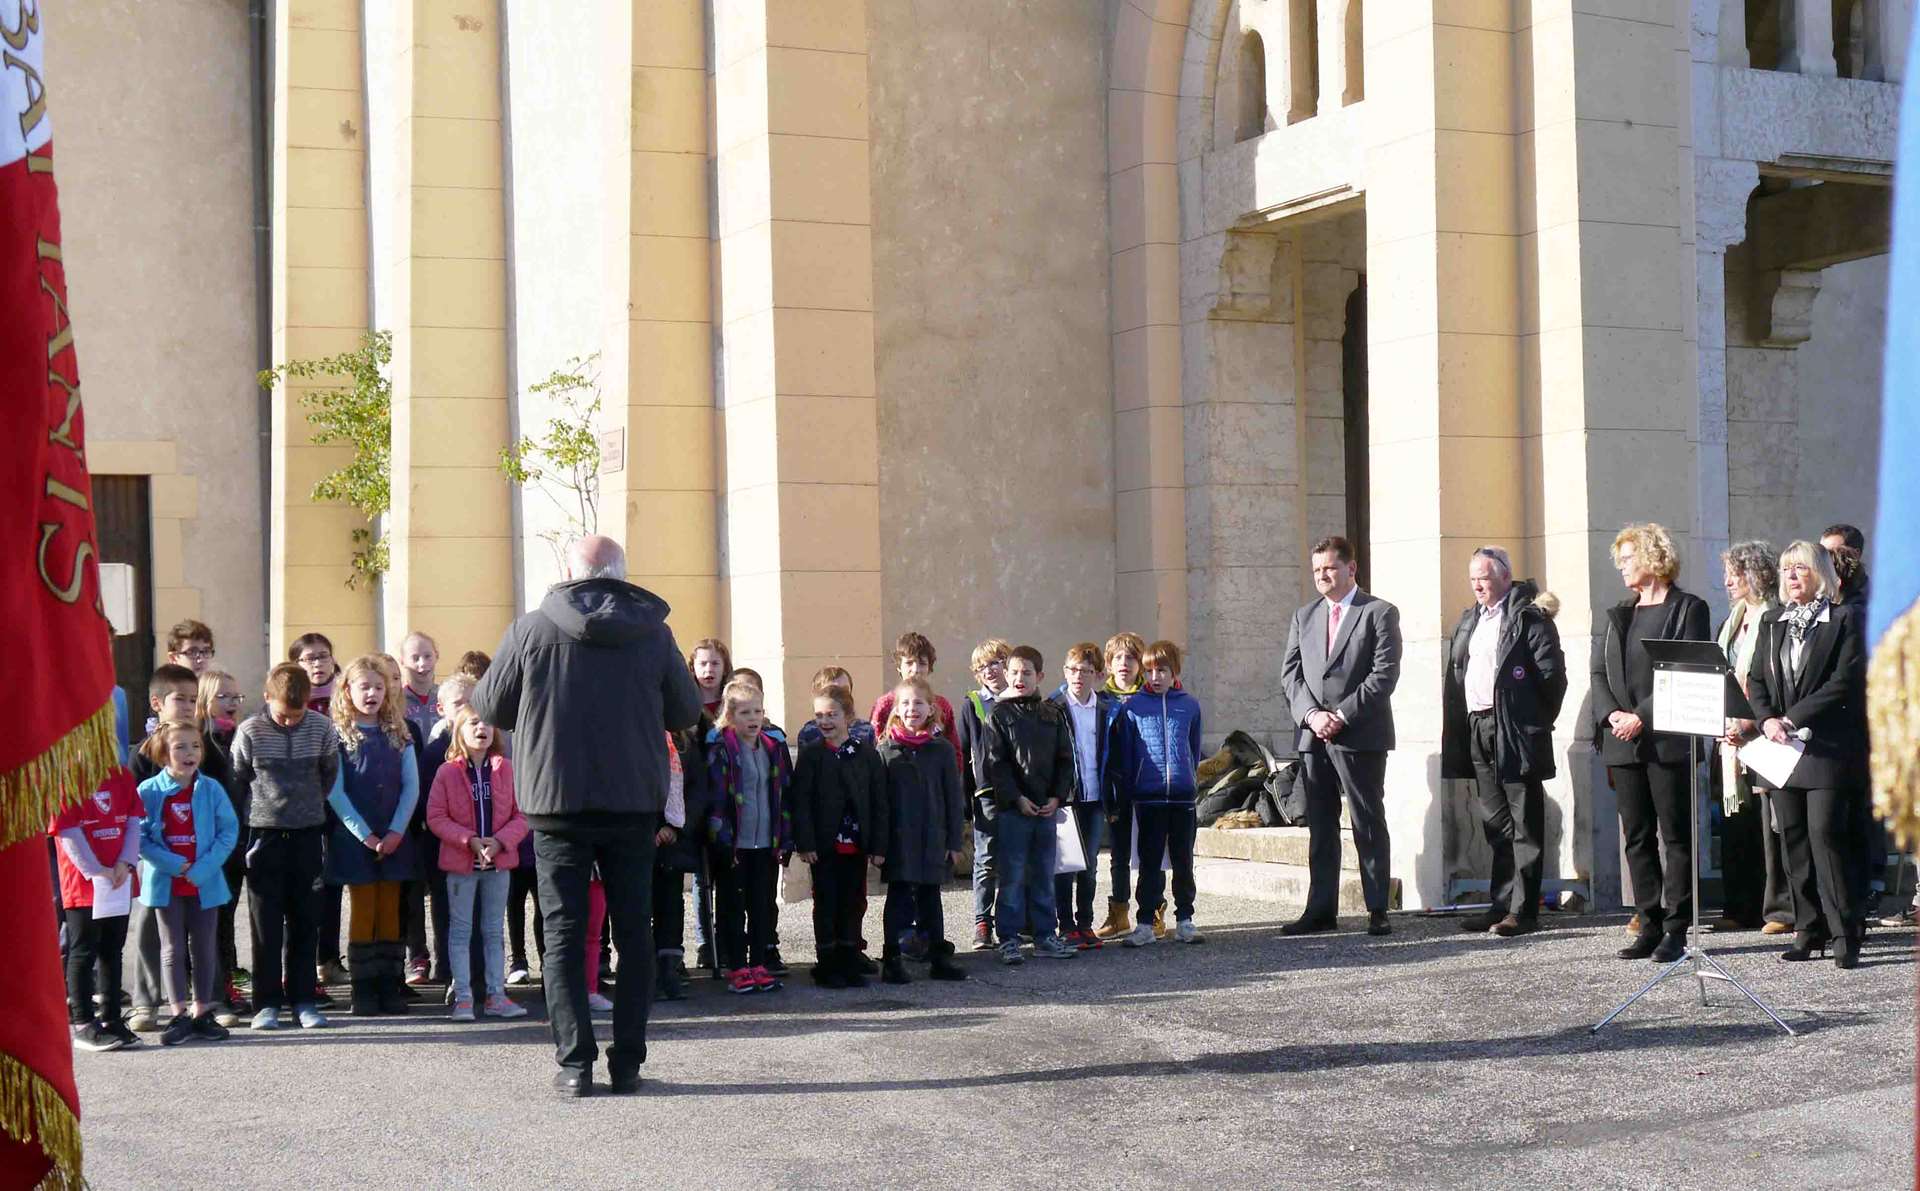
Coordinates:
1743 863
1119 851
93 945
669 911
744 895
1165 830
235 870
839 900
1656 824
1777 901
521 887
565 861
1331 771
326 931
1073 892
910 905
1826 862
283 901
1514 817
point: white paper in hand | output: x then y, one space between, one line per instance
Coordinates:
109 902
1071 856
1772 763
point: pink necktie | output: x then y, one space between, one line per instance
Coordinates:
1333 626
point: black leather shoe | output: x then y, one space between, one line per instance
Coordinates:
1307 926
1513 925
1377 923
623 1083
1480 924
1805 944
1641 947
1671 947
1846 952
572 1084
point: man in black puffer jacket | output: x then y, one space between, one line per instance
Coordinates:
1029 752
591 682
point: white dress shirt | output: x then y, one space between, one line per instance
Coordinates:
1482 662
1086 744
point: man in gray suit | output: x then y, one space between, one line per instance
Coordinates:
1343 659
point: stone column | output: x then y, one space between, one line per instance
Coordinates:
664 504
319 309
442 290
1807 38
1721 189
796 311
1444 342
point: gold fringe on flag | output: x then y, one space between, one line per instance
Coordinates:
32 1113
73 768
1893 719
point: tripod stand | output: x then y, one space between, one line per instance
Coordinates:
1676 670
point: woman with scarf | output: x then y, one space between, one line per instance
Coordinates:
1753 868
1808 684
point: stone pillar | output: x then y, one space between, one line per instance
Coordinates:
1609 271
1888 25
1807 38
319 309
796 311
663 504
1447 442
442 290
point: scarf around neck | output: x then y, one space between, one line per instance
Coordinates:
1801 618
899 735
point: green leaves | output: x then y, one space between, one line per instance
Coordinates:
358 413
564 464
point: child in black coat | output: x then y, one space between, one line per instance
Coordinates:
839 827
926 821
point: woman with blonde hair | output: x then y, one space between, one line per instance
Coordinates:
1809 684
1648 769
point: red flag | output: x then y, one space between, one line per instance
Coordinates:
57 702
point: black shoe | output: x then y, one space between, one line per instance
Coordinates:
1804 945
943 967
1672 946
1377 923
178 1030
1641 947
703 958
893 971
858 962
1846 953
118 1028
668 983
570 1083
207 1029
1307 926
827 974
90 1035
1480 924
1513 925
774 965
623 1083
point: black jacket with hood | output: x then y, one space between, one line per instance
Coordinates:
1529 684
590 682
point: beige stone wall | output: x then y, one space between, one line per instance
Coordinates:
156 189
991 325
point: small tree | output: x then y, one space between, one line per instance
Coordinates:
359 414
564 466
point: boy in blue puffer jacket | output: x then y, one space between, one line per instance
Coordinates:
1151 760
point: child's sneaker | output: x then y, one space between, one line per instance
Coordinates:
266 1018
119 1030
1088 941
208 1029
764 980
775 964
740 980
598 1003
1185 931
463 1009
498 1005
224 1014
90 1036
1140 935
1010 953
1053 947
982 936
143 1020
519 976
310 1017
178 1030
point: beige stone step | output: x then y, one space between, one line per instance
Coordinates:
1268 845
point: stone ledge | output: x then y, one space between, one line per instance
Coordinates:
1268 845
1283 883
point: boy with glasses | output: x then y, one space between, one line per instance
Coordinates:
1089 713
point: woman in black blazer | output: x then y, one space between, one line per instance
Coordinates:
1648 769
1809 681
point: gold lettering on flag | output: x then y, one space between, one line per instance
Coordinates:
16 37
36 94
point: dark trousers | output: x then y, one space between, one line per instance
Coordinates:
744 895
1656 825
1514 817
1743 862
909 905
1166 829
416 922
565 861
520 888
1826 868
93 947
1777 902
1119 851
283 901
1073 892
236 874
1331 771
669 911
839 900
326 931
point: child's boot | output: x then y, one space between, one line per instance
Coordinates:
853 965
943 966
828 971
892 969
667 984
364 980
392 967
1116 926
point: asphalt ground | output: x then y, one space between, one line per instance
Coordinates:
1427 1059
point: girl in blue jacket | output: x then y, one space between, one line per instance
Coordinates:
188 833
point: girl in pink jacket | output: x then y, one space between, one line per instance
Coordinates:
472 812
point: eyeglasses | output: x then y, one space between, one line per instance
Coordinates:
310 659
1082 670
990 667
198 653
